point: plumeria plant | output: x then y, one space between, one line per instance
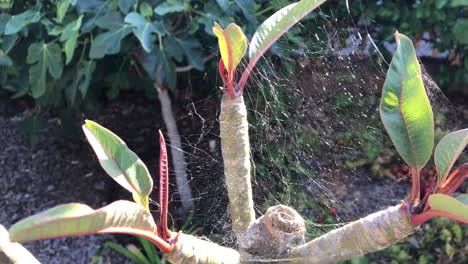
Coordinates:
277 236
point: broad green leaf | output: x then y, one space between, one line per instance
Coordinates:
6 4
122 164
146 10
248 10
171 6
4 18
458 3
79 219
143 30
125 5
49 59
459 30
232 44
62 8
455 206
108 43
278 24
4 59
191 46
70 35
18 22
447 152
405 109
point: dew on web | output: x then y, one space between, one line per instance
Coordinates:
317 141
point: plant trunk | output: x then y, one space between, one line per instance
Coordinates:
192 250
177 154
13 253
369 234
234 132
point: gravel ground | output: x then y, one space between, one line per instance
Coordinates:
32 181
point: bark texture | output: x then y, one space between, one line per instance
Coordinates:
235 146
13 253
192 250
371 233
177 154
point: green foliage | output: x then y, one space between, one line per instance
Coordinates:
405 109
442 240
445 21
448 150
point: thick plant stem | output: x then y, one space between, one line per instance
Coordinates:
13 253
234 132
192 250
372 233
178 159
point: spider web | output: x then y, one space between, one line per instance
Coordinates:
317 141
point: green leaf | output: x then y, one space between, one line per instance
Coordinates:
137 252
79 219
440 3
143 30
278 24
459 30
171 6
224 4
248 10
4 18
232 44
447 152
125 5
83 78
455 206
62 8
18 22
122 164
108 43
150 250
458 3
190 47
405 109
70 35
49 59
146 10
4 59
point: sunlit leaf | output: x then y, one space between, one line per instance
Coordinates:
455 206
48 58
122 164
79 219
232 44
405 109
18 22
447 152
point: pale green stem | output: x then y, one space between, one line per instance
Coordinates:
192 250
234 132
371 233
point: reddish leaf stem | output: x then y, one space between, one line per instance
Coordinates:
421 218
415 188
454 180
163 231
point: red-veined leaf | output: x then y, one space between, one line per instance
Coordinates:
447 152
122 164
232 44
405 109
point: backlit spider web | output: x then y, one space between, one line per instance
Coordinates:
316 137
